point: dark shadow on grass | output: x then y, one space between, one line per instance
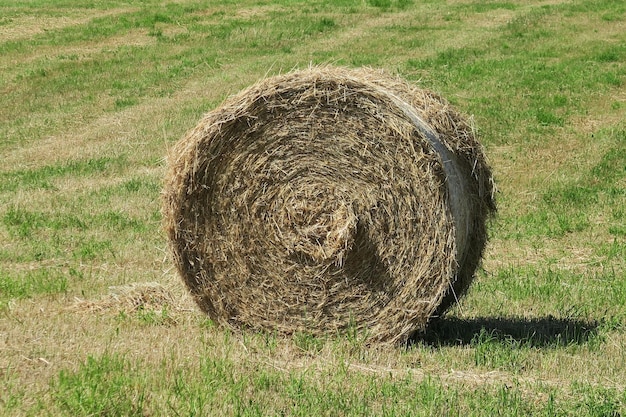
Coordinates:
539 332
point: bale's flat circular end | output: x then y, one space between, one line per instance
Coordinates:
328 198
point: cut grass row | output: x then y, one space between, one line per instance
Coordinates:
265 375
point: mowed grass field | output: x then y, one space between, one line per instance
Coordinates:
94 320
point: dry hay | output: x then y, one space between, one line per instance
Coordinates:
328 199
129 299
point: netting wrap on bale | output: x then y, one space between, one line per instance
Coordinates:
327 199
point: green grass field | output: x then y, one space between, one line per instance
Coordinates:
94 320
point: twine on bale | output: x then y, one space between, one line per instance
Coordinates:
328 198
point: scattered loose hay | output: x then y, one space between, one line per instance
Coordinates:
130 298
326 199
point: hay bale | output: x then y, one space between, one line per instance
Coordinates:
328 198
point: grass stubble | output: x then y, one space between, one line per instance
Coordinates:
542 330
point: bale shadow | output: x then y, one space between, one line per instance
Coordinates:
537 332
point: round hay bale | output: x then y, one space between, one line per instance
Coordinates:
328 199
